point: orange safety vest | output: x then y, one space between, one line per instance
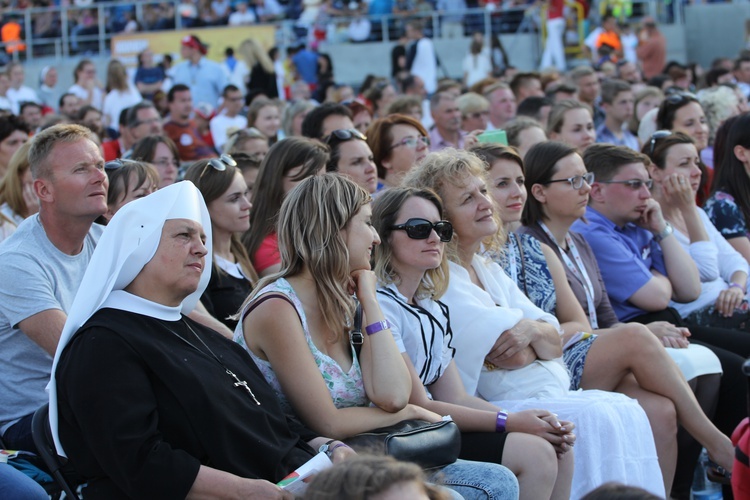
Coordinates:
11 37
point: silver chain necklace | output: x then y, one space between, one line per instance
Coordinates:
237 381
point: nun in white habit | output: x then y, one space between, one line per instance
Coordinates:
145 402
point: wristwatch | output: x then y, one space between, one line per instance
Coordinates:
668 229
328 449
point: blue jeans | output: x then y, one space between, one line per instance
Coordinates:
478 480
17 485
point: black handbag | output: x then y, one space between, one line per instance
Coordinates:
418 441
428 444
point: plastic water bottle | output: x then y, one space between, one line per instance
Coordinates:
703 488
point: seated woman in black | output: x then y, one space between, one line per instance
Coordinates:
226 195
147 403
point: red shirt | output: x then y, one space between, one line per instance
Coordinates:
190 144
111 150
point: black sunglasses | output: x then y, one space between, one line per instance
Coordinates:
221 163
117 163
345 134
420 229
659 134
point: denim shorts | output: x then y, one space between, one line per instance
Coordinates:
477 480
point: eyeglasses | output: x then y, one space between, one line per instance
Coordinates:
577 181
411 142
634 184
118 163
150 121
420 229
659 134
345 134
165 162
221 163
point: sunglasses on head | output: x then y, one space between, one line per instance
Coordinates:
118 163
345 134
659 134
221 163
679 97
420 229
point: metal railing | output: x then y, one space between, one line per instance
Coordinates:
73 30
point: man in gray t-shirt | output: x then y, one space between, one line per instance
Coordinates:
41 267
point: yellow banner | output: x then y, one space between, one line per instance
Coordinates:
127 47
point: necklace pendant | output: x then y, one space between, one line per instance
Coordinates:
243 384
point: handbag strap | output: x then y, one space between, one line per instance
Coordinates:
355 334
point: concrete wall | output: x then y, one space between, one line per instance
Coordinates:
716 29
352 62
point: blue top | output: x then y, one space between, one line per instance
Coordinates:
306 62
604 135
205 79
625 256
522 259
149 75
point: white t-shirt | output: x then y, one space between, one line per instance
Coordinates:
242 19
116 101
476 67
219 126
425 64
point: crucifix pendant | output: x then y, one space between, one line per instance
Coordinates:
243 384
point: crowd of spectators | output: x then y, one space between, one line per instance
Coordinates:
265 149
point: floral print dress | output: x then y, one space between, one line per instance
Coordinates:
346 388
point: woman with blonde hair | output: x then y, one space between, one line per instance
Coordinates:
249 141
412 277
294 115
262 73
509 352
572 122
17 198
296 324
264 114
226 195
645 100
718 103
121 94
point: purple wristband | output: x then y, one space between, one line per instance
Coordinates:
377 327
502 419
737 285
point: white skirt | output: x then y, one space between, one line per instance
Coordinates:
614 441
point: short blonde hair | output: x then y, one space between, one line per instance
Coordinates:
472 103
43 142
719 103
452 167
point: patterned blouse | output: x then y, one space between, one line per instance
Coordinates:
522 259
726 215
347 388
